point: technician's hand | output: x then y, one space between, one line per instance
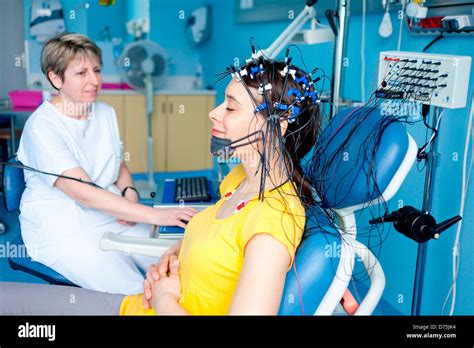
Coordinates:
174 216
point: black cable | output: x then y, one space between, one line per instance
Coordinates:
22 166
436 39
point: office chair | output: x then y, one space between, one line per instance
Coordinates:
13 187
322 279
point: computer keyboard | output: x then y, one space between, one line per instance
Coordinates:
192 189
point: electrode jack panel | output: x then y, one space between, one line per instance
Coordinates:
434 79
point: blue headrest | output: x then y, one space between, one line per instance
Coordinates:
13 186
346 180
345 183
316 263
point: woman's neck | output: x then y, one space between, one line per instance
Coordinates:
76 110
274 178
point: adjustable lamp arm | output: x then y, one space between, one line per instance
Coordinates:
287 35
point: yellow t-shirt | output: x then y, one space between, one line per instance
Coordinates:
212 251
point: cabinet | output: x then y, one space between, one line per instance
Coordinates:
188 132
117 102
181 131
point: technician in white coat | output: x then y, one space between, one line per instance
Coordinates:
62 219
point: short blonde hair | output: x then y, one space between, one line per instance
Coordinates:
59 51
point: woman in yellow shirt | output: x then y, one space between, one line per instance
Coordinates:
234 256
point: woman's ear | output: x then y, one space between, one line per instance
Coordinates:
55 80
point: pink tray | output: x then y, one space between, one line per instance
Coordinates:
25 99
116 86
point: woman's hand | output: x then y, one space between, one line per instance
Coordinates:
166 274
132 196
167 289
174 216
155 272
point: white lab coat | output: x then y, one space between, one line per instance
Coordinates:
57 230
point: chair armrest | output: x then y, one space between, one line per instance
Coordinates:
377 277
135 245
343 275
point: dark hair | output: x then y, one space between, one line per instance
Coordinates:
300 135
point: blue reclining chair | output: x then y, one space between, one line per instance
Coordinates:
13 187
322 279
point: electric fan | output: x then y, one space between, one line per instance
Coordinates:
143 64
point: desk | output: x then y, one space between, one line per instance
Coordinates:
165 199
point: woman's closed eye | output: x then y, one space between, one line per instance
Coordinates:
229 109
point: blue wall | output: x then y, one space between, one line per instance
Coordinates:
89 21
168 18
230 41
